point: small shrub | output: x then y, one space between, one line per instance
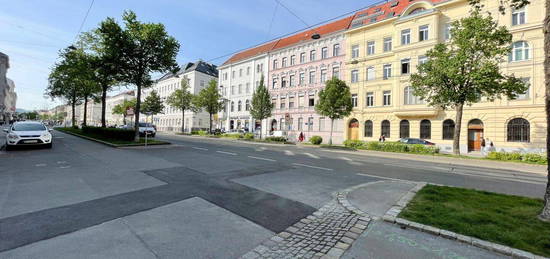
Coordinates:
357 144
194 132
248 136
276 139
519 157
316 140
535 158
202 133
232 135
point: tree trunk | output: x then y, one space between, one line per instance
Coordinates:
330 137
73 117
85 111
103 106
136 113
182 121
210 126
458 125
545 214
261 127
124 119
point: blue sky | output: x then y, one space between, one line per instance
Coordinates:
33 31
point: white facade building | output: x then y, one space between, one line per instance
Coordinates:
197 74
239 78
112 119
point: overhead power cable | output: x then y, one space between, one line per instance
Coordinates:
84 20
294 32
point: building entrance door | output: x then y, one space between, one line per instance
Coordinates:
475 133
353 130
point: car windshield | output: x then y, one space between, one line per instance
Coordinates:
28 127
141 124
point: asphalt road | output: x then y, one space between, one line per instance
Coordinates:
196 198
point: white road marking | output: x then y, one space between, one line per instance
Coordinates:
261 149
355 163
63 167
261 158
289 153
200 148
315 167
227 153
345 158
382 177
40 165
311 155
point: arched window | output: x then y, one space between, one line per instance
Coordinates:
448 129
385 128
247 105
232 106
417 10
368 129
520 51
518 130
239 106
425 129
404 129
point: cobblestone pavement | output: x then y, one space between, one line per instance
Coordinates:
325 234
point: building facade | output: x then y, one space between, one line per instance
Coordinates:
8 97
112 119
385 44
299 66
238 79
197 75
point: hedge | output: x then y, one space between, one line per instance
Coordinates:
248 135
316 140
276 139
392 147
518 157
109 133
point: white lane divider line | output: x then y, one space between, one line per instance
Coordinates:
40 165
227 153
345 158
289 153
312 155
315 167
200 148
261 158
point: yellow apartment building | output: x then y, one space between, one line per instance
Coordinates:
386 42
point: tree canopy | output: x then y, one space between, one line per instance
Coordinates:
261 103
334 101
152 104
181 99
210 99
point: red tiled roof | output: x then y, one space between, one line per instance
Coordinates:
384 9
328 28
251 52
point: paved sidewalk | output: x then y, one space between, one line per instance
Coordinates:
384 240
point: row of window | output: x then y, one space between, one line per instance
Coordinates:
387 70
312 57
291 81
518 129
259 69
408 98
240 105
175 122
291 103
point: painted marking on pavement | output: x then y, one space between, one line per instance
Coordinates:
200 148
40 165
312 155
345 158
289 153
382 177
261 158
315 167
227 153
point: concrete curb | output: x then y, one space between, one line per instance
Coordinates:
392 214
230 140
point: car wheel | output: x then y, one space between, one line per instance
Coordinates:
49 145
153 135
8 147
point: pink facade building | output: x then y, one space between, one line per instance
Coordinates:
298 69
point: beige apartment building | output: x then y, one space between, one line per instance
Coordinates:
386 42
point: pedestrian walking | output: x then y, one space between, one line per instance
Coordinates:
301 137
382 138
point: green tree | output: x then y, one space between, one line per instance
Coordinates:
334 102
152 104
466 68
261 103
210 100
144 48
181 99
105 57
122 108
503 5
63 81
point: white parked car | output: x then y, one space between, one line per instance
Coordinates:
147 128
25 133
